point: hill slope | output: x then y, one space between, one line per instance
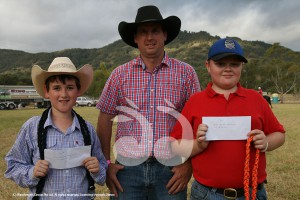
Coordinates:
265 60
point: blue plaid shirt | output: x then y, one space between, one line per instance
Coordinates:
64 182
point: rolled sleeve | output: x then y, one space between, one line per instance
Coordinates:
108 100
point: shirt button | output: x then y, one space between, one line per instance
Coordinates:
152 90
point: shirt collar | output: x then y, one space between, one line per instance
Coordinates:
138 62
74 125
239 92
49 121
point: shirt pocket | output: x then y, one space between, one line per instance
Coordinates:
52 143
173 93
78 140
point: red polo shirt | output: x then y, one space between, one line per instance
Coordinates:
221 165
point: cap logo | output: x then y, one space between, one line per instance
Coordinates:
229 44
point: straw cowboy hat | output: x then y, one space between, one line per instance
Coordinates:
61 65
171 24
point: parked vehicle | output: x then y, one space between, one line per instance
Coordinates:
7 105
85 101
20 95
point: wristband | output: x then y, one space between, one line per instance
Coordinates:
108 162
265 149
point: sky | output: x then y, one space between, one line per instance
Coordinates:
52 25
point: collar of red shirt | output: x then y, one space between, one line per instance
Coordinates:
239 92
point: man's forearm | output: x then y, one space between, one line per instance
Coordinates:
104 132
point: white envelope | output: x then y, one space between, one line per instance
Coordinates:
227 128
68 157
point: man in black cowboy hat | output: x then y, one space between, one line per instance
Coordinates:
140 93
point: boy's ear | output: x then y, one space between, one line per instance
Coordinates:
46 92
207 66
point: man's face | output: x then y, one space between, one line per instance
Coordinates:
150 39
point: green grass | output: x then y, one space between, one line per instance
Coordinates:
283 164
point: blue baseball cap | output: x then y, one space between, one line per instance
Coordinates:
225 47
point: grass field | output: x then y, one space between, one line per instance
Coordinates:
283 164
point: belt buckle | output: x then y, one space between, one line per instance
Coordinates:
230 193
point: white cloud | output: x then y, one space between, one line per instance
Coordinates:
42 25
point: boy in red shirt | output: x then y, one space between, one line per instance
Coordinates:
218 165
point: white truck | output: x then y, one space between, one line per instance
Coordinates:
85 101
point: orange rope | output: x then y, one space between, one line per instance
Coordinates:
247 171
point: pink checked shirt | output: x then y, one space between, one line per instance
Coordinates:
146 103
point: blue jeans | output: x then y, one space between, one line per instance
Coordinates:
200 192
147 181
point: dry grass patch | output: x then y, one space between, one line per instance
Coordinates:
283 164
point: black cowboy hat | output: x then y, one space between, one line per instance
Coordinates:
171 24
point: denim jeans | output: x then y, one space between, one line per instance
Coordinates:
199 192
147 181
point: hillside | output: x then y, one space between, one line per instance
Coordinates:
269 64
189 47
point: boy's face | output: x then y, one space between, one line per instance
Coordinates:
62 96
225 73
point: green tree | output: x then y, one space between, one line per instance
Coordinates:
100 77
9 79
284 78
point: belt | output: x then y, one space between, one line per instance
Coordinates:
232 193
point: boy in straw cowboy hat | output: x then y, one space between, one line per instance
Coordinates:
59 129
145 168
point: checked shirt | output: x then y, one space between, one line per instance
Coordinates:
141 101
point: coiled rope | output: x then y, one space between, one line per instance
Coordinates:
247 171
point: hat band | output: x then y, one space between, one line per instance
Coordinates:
62 67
